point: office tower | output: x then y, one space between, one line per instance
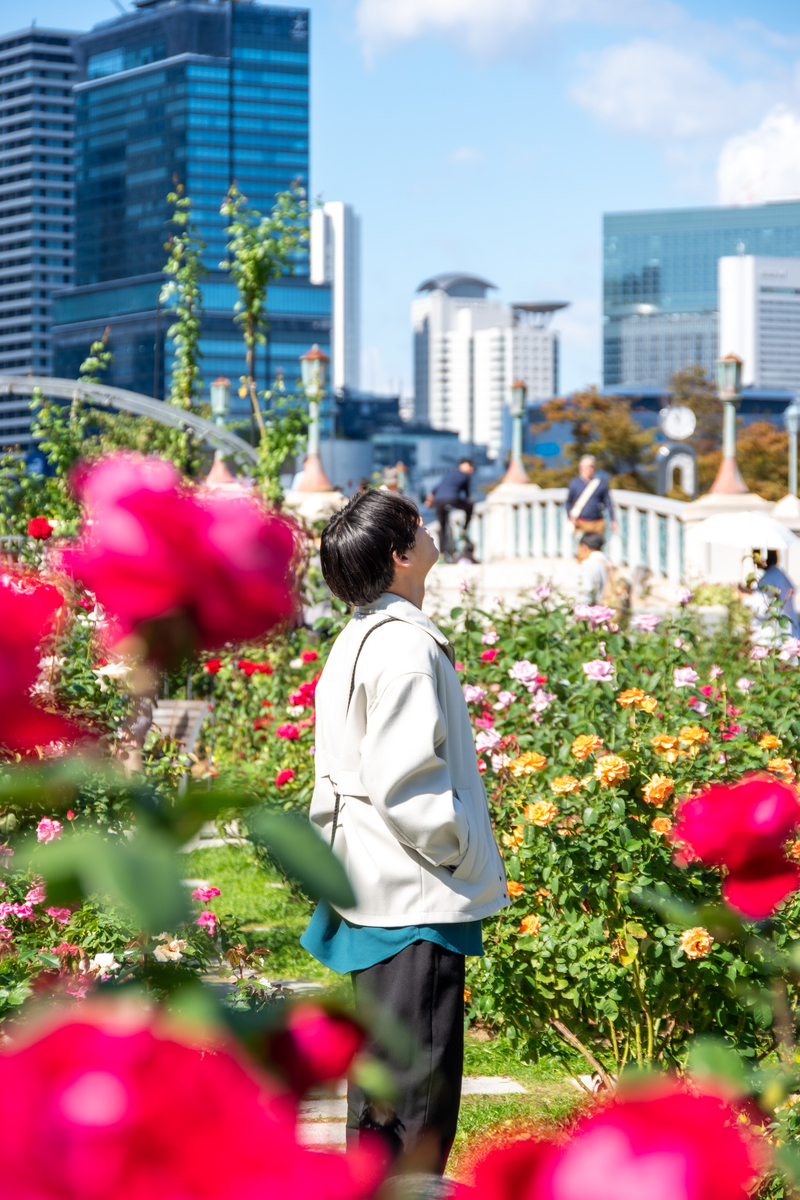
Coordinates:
36 201
759 318
660 308
202 93
468 351
336 260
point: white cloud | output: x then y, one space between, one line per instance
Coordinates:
466 156
762 164
652 89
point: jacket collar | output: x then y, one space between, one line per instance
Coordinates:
401 610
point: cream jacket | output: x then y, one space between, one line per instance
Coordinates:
413 830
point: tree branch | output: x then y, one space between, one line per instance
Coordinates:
570 1037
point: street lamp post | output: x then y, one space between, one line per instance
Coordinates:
791 419
314 370
516 472
729 386
220 400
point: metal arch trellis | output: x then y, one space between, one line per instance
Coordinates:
132 402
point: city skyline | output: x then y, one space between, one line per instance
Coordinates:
468 143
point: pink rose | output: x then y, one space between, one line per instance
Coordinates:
543 591
744 684
285 776
290 732
683 595
684 677
504 699
62 915
49 831
207 921
524 672
37 894
599 671
759 653
487 739
715 672
489 637
205 894
473 694
646 622
488 655
790 649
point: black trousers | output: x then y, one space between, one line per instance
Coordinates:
441 508
414 1003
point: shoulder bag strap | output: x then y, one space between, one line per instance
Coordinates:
337 797
584 498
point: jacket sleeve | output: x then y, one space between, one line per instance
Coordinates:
407 782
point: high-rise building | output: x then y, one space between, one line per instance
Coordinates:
759 318
37 68
660 305
468 351
336 260
202 93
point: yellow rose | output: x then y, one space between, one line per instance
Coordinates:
696 942
585 745
661 825
562 784
610 769
519 834
769 741
658 790
530 924
540 813
781 766
527 764
515 889
631 697
649 704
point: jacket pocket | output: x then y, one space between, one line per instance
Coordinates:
475 852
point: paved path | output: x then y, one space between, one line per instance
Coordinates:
322 1119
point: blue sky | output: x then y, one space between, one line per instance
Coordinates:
490 136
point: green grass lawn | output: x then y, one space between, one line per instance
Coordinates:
276 917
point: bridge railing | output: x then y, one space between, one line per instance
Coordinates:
531 522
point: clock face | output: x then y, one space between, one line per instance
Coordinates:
677 422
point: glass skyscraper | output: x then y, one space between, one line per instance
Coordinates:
201 93
660 283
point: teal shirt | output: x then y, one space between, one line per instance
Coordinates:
344 947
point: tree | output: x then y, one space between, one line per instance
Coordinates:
184 296
98 360
602 426
285 427
261 249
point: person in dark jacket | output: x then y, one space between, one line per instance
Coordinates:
587 497
452 491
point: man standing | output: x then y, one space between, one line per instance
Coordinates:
452 491
593 570
399 796
587 496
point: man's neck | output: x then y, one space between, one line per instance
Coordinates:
409 590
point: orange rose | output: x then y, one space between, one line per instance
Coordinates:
696 942
661 825
631 697
586 744
693 733
658 790
540 813
664 743
540 893
649 704
527 764
530 924
769 741
515 889
781 766
562 784
610 769
794 851
467 995
519 834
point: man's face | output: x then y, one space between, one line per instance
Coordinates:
586 470
582 552
466 468
424 552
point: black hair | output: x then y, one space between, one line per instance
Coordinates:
359 541
592 541
772 558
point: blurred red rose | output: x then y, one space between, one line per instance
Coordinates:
309 656
89 1111
186 569
27 613
262 723
290 732
743 827
658 1143
284 776
488 655
213 665
254 668
315 1046
40 528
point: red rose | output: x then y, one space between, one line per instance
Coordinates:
315 1046
213 665
284 776
186 568
488 655
40 528
108 1109
309 656
262 722
290 732
27 613
659 1142
743 827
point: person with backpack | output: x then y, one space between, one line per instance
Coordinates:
399 797
587 497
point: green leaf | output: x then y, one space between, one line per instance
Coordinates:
455 612
302 854
710 1058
